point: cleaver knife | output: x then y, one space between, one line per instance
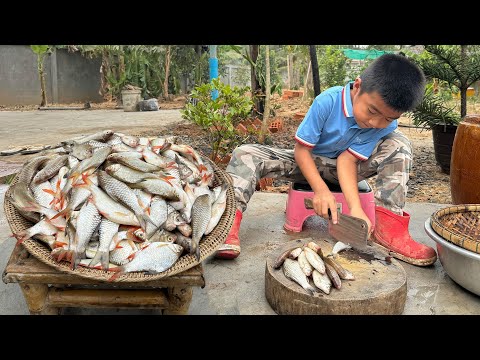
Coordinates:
352 231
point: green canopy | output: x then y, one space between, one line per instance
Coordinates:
362 54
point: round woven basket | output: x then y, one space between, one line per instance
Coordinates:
460 225
208 244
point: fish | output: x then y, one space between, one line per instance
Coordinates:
163 235
314 259
173 219
218 208
30 168
184 241
294 253
341 271
315 247
120 255
108 207
185 229
87 221
132 141
157 160
50 169
201 214
21 197
322 281
305 265
332 274
158 214
340 246
43 193
128 175
120 192
82 151
92 250
292 270
277 264
158 187
132 161
154 258
108 230
99 136
44 227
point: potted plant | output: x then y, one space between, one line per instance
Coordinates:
458 67
433 114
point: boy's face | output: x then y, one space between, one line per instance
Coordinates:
369 110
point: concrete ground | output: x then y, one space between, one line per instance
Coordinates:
238 286
232 287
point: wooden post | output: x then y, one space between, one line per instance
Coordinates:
179 299
36 298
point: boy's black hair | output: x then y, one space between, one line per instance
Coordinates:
398 80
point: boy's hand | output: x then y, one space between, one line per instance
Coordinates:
324 201
359 213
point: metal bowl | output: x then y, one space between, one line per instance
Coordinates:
463 266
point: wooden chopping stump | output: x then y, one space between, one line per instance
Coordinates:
378 288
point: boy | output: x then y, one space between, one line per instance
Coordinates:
348 134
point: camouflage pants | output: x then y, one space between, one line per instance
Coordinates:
391 160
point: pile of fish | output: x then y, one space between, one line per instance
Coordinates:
301 264
117 202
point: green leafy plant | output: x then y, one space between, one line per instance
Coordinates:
219 117
41 51
432 111
457 66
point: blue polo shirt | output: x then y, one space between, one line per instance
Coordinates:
329 127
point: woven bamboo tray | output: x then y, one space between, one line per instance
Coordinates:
208 245
460 225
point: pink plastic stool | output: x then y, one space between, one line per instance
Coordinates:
296 213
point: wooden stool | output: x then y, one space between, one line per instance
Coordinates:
47 290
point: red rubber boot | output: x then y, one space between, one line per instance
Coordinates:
231 248
391 232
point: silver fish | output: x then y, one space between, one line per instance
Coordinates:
322 281
201 214
163 235
306 267
44 227
314 259
120 192
87 221
158 187
21 197
333 275
341 271
124 249
132 141
51 169
43 193
92 250
128 175
82 151
100 136
158 213
157 160
154 258
108 230
292 270
218 208
108 207
185 230
133 162
144 198
29 169
340 246
294 253
173 219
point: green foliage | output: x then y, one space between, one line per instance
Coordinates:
39 49
332 67
456 66
220 116
433 111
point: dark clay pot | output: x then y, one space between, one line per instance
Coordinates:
443 137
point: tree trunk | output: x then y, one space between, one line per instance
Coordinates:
316 75
289 70
41 74
306 82
266 113
256 88
167 72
